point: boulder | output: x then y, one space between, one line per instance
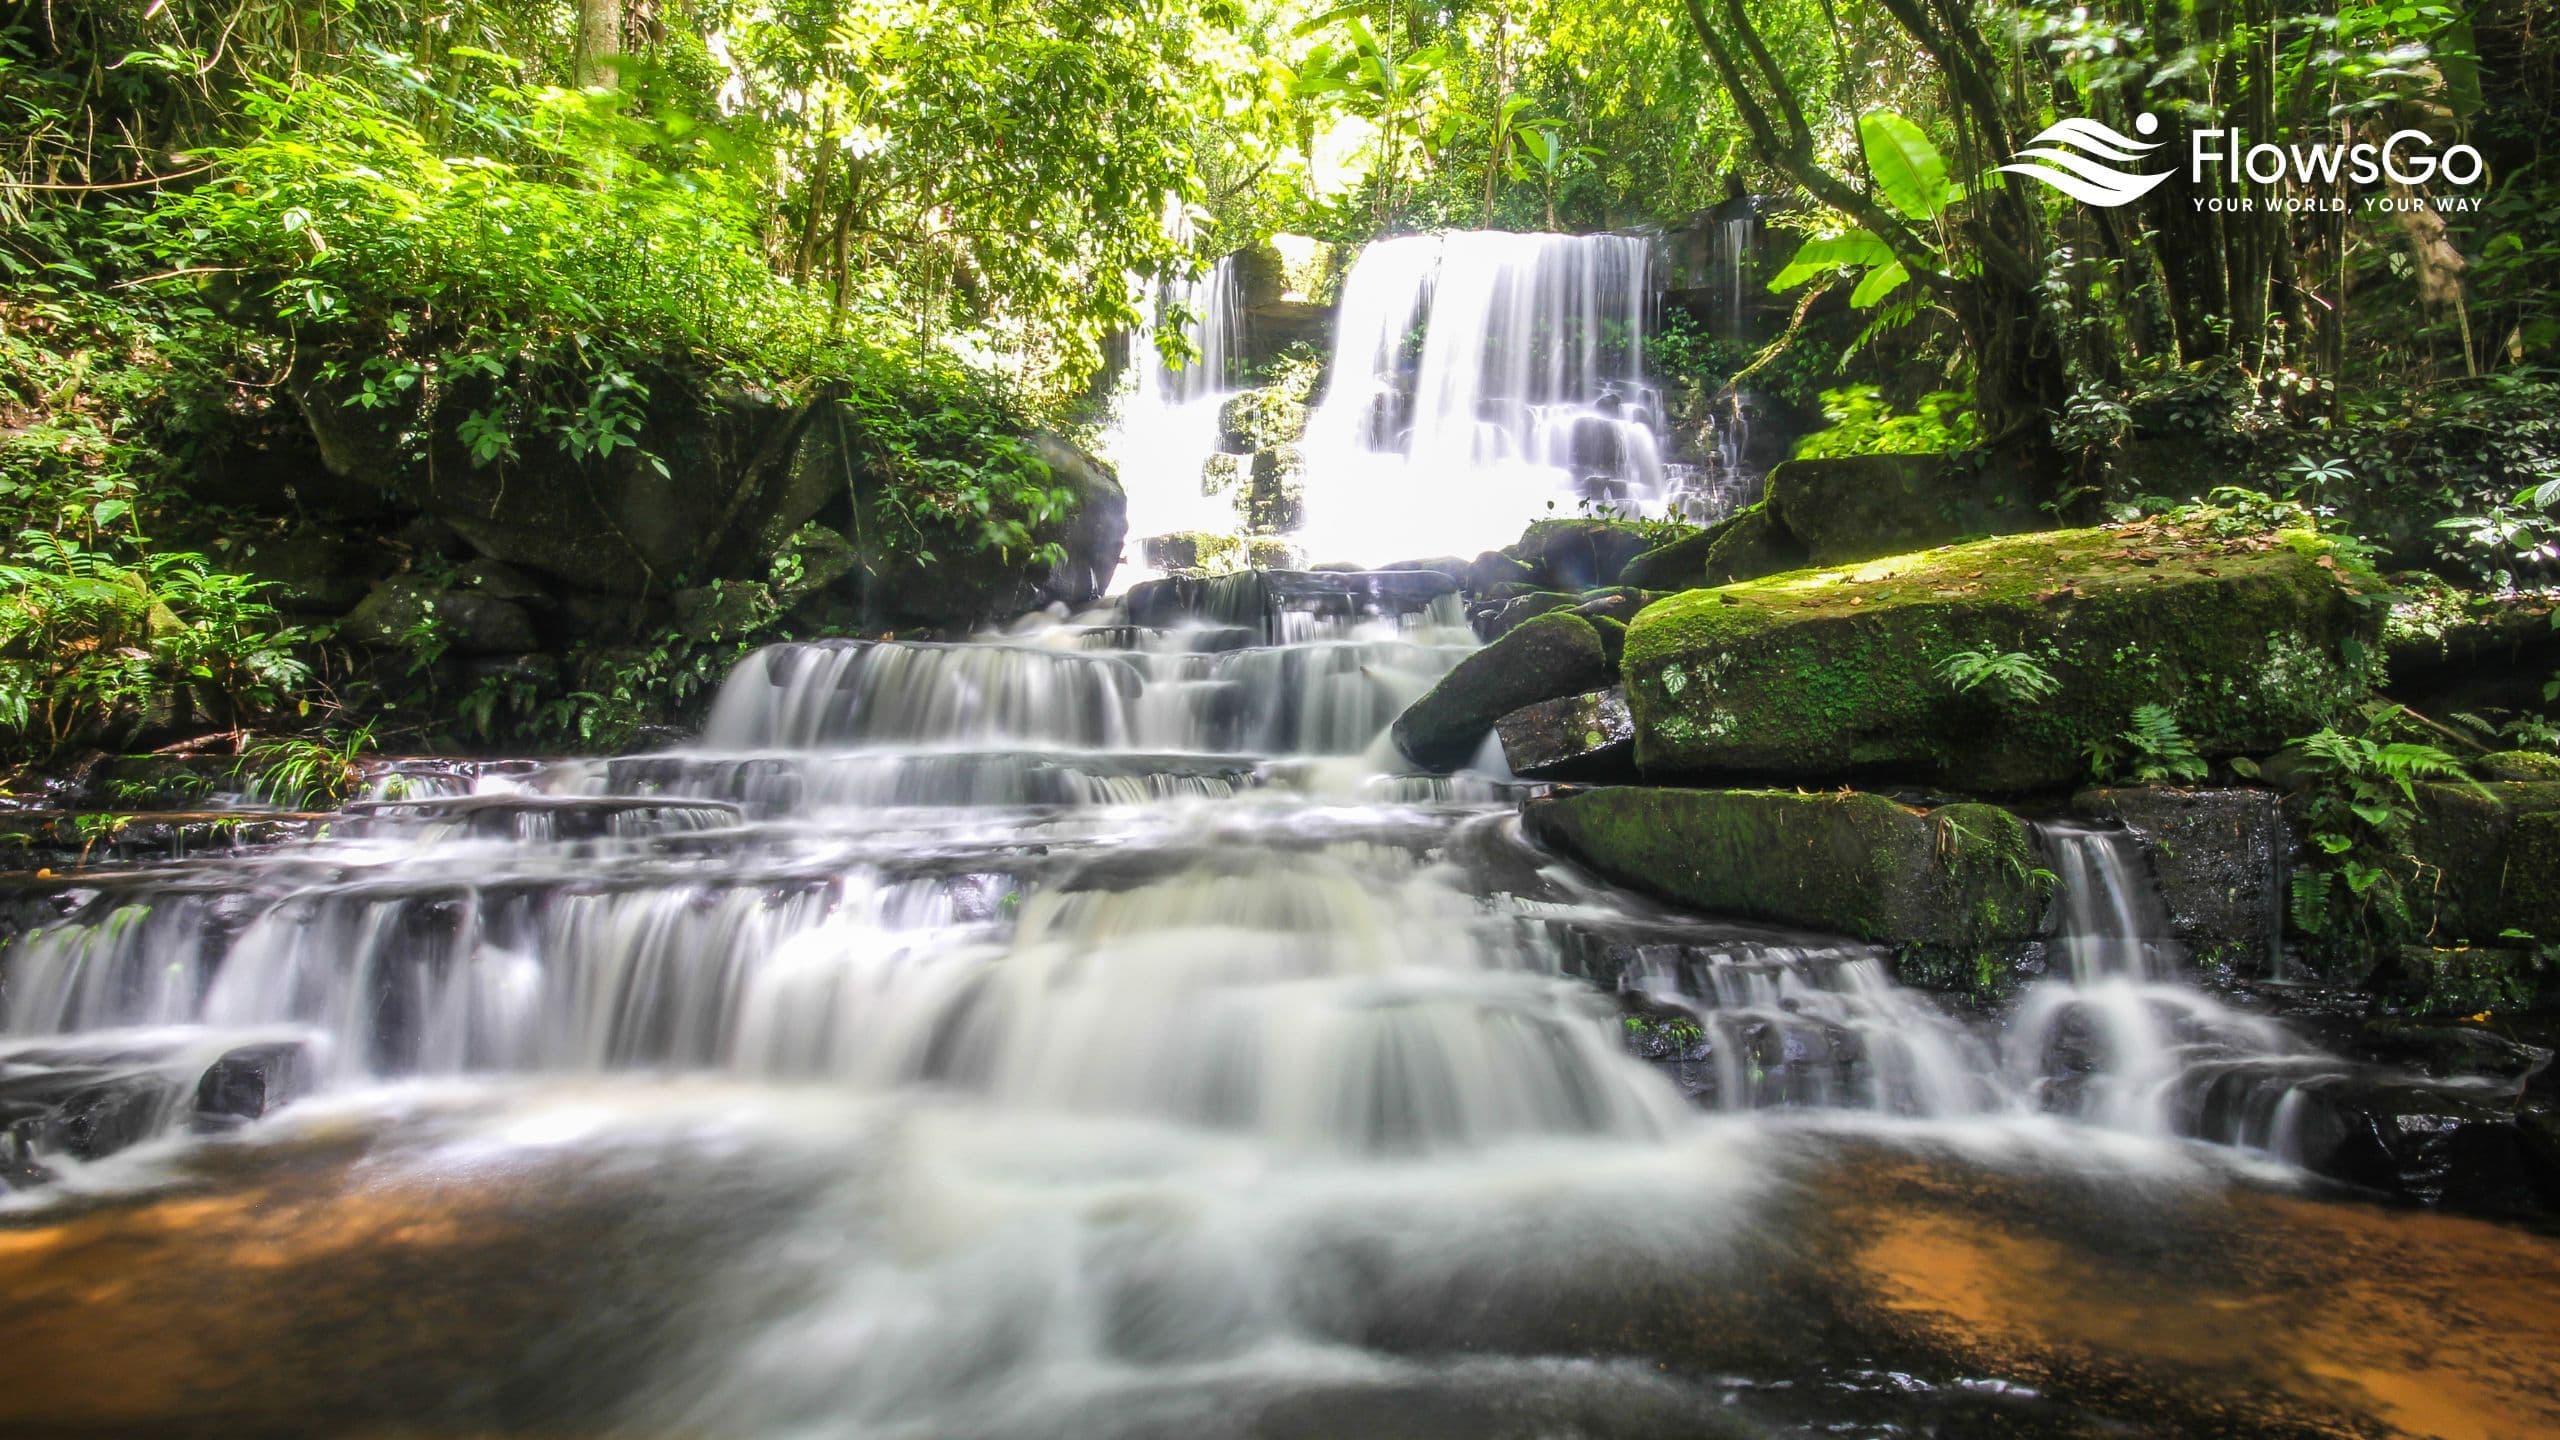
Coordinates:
1549 656
723 609
316 571
1581 554
963 586
1743 546
1953 890
2434 1144
1574 737
1821 674
2487 860
252 1081
1495 568
1494 619
468 622
1857 507
2219 856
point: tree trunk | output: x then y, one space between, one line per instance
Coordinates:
599 40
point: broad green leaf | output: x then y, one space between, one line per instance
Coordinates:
1909 172
1826 253
1881 281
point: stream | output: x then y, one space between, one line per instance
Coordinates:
1095 1029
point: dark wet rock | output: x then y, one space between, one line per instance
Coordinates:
251 1082
2218 855
1582 554
1494 568
2447 1051
2448 980
1576 737
1541 659
467 621
1858 507
1952 889
1817 675
89 1109
1496 618
2460 1148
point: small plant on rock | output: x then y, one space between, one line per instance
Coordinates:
2011 675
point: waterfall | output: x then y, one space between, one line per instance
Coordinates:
2123 1038
1170 415
1481 378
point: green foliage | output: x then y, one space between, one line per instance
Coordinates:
2359 806
319 772
1862 423
2151 750
2011 675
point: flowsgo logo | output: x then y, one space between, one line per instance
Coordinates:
2092 163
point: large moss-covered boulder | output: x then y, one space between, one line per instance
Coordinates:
1552 655
1857 507
1946 887
1817 674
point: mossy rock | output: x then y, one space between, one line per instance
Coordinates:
1857 507
1820 674
2519 765
1581 554
1194 552
1953 888
1494 619
1552 655
2487 861
1743 546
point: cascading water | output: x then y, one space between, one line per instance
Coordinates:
1171 415
1479 377
1160 1045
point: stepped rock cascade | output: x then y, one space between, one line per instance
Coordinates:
1141 1033
1526 395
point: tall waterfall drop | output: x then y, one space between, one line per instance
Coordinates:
1480 380
1169 419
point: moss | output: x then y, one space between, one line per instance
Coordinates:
1197 552
1820 673
1959 881
2519 765
1542 658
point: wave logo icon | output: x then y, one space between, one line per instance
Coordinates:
2072 158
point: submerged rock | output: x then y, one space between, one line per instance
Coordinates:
1552 655
1816 674
1954 889
1575 737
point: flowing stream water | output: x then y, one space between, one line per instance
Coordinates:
1170 1053
1104 1030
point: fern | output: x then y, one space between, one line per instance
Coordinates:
2310 897
2161 753
2012 675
